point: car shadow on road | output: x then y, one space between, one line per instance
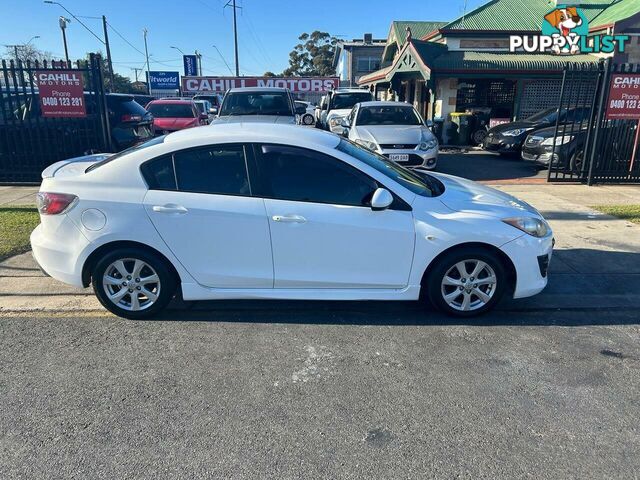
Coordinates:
485 166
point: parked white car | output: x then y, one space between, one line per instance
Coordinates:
338 104
394 130
307 118
281 212
258 105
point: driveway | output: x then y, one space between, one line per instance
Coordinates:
489 167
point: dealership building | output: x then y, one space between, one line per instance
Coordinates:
467 65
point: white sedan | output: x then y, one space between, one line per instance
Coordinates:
394 130
279 212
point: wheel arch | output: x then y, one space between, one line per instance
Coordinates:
506 262
91 260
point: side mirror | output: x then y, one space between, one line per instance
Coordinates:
345 123
301 110
381 199
213 111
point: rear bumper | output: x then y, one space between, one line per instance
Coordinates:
58 249
530 257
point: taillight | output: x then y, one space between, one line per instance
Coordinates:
54 203
131 118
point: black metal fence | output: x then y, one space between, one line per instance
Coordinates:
29 141
591 148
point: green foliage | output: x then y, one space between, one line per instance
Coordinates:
630 213
313 56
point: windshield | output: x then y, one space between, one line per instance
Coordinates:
547 114
348 100
256 103
171 110
135 148
388 115
422 184
202 107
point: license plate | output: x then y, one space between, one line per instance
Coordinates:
399 157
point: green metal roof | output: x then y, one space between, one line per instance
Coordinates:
489 61
418 29
527 15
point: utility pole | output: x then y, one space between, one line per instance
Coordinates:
63 26
106 43
235 32
146 53
135 71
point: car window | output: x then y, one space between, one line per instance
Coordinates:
298 174
171 110
424 185
256 103
219 169
348 100
542 115
388 115
120 105
135 148
158 173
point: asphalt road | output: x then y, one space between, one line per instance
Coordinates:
485 166
321 390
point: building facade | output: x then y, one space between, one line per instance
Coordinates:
356 58
466 65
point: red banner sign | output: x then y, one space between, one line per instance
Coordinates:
193 85
624 97
61 93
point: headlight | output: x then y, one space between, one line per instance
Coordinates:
428 145
559 140
335 121
516 132
531 225
370 145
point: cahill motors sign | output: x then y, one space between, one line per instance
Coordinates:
565 31
193 85
61 93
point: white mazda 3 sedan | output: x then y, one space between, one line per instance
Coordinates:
394 130
280 212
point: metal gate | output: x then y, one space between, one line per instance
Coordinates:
29 141
587 146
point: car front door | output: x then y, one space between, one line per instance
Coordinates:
201 204
323 232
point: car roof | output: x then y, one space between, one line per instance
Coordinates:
387 104
258 89
247 132
172 100
350 90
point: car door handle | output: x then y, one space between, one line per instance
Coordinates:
169 208
289 218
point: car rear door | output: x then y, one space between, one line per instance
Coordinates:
323 233
200 201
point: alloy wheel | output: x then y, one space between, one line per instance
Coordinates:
131 284
468 285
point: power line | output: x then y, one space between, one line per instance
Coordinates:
125 40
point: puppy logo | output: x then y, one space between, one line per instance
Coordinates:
566 25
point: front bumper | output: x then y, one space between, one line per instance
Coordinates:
416 158
502 144
530 257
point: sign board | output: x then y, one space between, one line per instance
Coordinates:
190 65
193 85
494 122
624 97
164 80
61 93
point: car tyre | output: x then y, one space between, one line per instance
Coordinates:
478 289
133 283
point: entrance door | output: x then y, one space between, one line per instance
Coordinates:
323 232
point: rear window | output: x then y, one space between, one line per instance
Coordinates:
348 100
122 105
171 110
135 148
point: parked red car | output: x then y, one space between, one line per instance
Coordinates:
170 115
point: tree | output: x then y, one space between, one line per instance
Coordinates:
313 56
271 74
26 53
121 84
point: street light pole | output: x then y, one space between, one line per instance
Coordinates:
199 58
146 53
63 26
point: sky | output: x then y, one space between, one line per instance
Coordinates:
267 29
